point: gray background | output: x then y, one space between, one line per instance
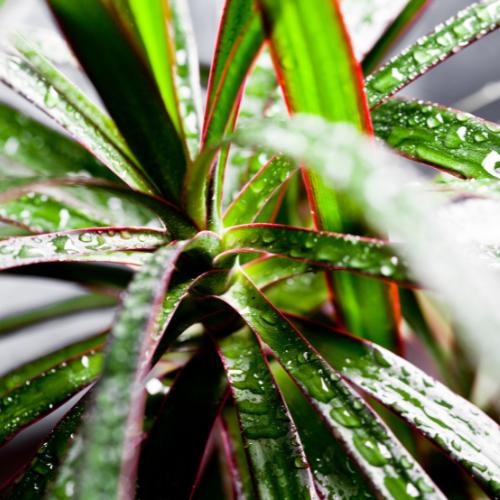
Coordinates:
469 80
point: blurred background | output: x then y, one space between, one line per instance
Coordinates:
469 81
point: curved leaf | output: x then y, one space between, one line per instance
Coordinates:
39 82
37 478
456 142
456 426
338 251
270 435
107 465
40 395
172 454
100 35
105 245
335 474
454 34
66 307
388 467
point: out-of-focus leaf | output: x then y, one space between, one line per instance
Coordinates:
445 138
392 201
253 197
387 466
172 454
394 30
456 426
335 474
39 82
98 245
270 434
331 250
55 310
27 147
449 37
101 37
40 395
107 465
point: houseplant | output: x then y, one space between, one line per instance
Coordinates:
247 277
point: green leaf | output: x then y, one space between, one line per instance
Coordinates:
399 24
456 142
253 197
114 425
38 81
97 245
100 35
28 148
376 451
49 389
454 34
335 474
36 479
17 321
459 428
172 454
317 248
270 435
29 371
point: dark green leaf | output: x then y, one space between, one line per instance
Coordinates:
331 250
102 39
454 34
270 435
388 467
172 455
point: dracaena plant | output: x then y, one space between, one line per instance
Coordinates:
264 314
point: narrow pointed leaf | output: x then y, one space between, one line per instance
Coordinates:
105 245
454 34
382 459
42 470
253 197
100 36
119 398
40 395
445 138
337 251
398 25
172 454
28 147
55 310
456 426
270 434
335 474
40 83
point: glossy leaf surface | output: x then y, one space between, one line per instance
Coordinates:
338 251
270 434
100 37
105 245
450 140
335 474
457 32
378 454
466 434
